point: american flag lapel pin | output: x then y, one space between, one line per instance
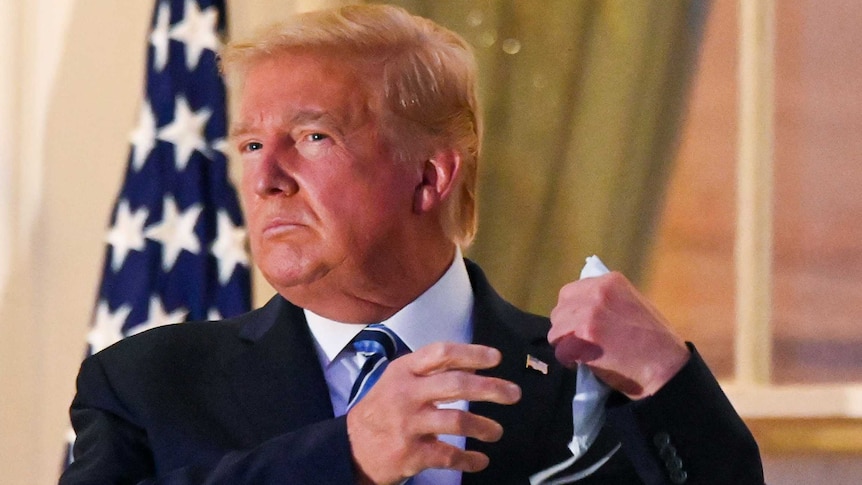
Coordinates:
536 364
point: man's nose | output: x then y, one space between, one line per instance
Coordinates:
275 172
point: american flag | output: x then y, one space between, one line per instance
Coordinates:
176 246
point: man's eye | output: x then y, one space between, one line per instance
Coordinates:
314 145
253 146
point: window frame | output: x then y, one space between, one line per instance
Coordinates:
784 418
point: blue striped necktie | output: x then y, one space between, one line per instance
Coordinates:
379 345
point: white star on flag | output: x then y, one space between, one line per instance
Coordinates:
70 440
197 30
108 327
213 314
159 37
127 233
229 247
144 137
176 231
186 131
157 316
220 145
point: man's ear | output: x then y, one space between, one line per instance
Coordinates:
439 174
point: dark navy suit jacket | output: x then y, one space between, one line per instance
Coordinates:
244 401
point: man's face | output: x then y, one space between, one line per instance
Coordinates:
326 202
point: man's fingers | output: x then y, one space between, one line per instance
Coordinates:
446 373
437 454
465 385
460 423
571 350
443 356
394 430
473 461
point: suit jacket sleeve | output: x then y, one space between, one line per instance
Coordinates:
688 432
111 449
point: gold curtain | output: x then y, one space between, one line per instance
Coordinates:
583 100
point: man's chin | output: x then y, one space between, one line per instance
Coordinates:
291 282
293 278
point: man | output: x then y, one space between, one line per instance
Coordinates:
358 131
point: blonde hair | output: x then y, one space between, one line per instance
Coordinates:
428 85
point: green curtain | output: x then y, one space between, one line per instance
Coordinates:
583 103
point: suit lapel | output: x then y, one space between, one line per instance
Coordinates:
533 431
276 374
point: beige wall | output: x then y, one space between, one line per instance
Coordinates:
76 69
70 82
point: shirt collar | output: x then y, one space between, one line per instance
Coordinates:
442 313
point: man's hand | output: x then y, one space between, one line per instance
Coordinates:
393 429
605 323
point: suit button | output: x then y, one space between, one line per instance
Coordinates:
667 452
673 464
678 476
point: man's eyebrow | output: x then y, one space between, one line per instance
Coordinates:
324 118
300 118
238 130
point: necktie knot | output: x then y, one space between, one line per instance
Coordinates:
379 339
379 345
